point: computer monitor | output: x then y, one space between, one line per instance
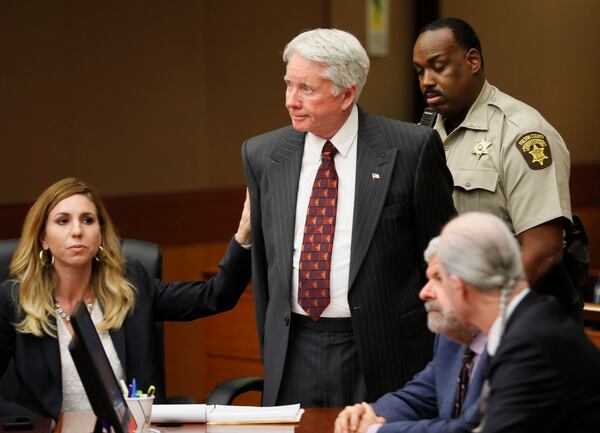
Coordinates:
97 376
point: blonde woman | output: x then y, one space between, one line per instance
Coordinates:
69 251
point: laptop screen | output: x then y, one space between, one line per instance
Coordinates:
96 374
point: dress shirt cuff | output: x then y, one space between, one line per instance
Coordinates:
245 246
373 428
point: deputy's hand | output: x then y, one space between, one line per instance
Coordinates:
356 418
244 233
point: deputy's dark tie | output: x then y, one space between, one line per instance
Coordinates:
463 381
317 243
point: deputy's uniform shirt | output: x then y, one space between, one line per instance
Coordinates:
506 159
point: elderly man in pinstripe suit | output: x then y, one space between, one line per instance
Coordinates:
343 205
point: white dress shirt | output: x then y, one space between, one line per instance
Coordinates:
477 346
345 141
74 395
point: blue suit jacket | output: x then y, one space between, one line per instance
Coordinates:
426 403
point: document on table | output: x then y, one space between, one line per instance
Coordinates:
249 428
221 414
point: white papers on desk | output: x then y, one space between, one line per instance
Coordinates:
249 428
220 414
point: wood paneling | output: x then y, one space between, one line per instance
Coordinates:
213 215
185 359
221 368
206 352
233 334
593 335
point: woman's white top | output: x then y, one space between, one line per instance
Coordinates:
74 396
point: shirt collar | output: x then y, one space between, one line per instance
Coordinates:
495 334
343 139
478 343
476 117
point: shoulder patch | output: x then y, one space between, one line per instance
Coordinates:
534 147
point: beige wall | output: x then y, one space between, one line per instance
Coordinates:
389 89
113 92
245 75
546 53
155 96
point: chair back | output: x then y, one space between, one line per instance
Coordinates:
7 249
147 253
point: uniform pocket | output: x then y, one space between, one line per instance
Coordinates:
470 179
478 190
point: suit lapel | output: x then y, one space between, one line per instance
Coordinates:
447 386
51 396
118 339
375 159
51 351
285 165
529 299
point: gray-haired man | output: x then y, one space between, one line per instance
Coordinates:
343 206
544 374
444 396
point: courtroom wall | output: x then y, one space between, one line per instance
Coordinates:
148 97
113 92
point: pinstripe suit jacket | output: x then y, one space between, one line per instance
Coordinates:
395 216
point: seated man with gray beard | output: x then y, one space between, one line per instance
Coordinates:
543 373
442 396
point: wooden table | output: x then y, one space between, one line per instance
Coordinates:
313 421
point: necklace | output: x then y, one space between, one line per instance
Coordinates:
67 317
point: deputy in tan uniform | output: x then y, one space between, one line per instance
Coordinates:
505 158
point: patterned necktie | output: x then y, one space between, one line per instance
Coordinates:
317 244
463 381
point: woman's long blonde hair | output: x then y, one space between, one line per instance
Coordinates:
35 297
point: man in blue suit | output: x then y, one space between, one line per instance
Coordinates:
429 402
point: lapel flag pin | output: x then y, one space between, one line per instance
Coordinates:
375 176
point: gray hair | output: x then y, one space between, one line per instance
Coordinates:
480 250
432 249
346 60
445 322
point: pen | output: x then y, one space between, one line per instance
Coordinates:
130 391
133 387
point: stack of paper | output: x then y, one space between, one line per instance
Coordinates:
248 428
219 414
